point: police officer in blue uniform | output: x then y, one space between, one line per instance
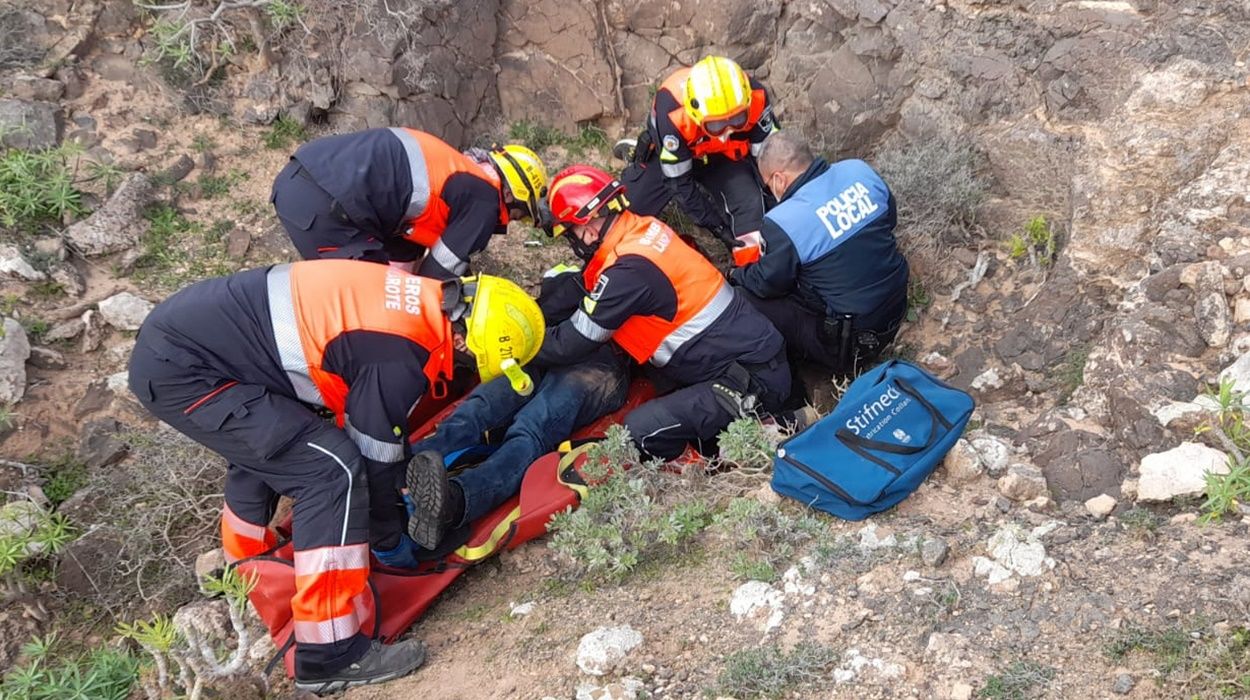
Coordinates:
831 277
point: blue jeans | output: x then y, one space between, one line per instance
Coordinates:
564 399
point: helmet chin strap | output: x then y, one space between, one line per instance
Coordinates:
585 251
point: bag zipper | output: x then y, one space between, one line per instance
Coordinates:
824 480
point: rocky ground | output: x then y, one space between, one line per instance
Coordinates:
1076 207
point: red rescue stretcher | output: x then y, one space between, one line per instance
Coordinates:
551 484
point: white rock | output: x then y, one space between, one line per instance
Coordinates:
962 463
1128 488
14 351
125 311
1238 373
14 265
628 688
19 519
1100 506
961 691
522 609
601 651
869 540
1173 411
855 663
793 581
1013 552
993 453
758 601
1241 309
1180 471
119 224
1022 482
987 380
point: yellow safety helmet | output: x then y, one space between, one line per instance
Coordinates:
504 330
718 95
523 174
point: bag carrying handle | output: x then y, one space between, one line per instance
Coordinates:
858 444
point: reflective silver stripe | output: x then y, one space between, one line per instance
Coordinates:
676 169
371 447
420 176
756 148
336 629
449 260
696 325
241 527
347 499
309 562
587 327
286 335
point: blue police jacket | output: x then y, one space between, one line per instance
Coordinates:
830 243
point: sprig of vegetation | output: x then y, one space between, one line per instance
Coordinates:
39 188
769 672
1019 681
1227 493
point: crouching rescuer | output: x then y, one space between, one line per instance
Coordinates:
666 305
243 365
831 277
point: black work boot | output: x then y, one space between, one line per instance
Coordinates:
431 495
624 149
383 662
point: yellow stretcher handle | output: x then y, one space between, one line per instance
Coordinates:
520 381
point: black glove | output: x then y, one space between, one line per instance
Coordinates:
727 237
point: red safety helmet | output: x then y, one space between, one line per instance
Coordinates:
580 193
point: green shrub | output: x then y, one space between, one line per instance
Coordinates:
764 537
625 521
748 444
1018 681
769 672
1227 493
284 133
38 188
100 674
938 189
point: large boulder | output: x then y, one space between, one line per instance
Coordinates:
1180 471
29 125
14 351
125 311
119 224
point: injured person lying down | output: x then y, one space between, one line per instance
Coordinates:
513 430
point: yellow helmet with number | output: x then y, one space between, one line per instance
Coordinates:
718 95
523 173
505 326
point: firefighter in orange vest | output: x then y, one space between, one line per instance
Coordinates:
666 305
706 126
395 195
239 364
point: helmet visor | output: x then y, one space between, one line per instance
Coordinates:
720 125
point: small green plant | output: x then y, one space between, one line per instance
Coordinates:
177 250
63 477
38 188
535 135
747 444
1199 664
36 328
1036 242
764 536
107 173
284 13
1169 646
1141 522
769 672
623 522
747 568
1069 375
198 660
8 418
1227 493
284 133
918 299
101 674
1019 681
213 186
203 143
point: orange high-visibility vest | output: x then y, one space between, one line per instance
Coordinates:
700 143
315 301
702 293
432 161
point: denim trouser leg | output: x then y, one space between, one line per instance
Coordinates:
488 406
566 399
